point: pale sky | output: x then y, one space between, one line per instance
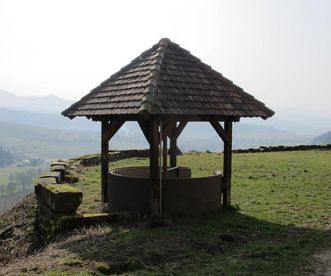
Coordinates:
278 51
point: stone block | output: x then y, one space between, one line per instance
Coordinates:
47 180
60 198
90 160
58 168
55 174
58 163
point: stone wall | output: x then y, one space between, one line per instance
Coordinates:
56 197
284 148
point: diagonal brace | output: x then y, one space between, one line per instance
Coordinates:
220 130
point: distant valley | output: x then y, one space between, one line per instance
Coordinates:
34 126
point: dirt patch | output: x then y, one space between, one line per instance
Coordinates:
17 230
323 263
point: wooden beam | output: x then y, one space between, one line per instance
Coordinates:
227 165
104 161
190 118
164 156
168 127
173 152
111 129
178 130
108 130
174 134
173 148
145 128
220 130
154 170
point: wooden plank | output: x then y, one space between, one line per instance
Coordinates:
227 166
154 170
104 161
219 129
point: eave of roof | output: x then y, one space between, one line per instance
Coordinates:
168 80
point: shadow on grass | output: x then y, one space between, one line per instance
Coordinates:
226 242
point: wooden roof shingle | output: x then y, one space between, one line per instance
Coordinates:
168 80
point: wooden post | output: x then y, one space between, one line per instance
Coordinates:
154 170
165 155
227 164
173 147
177 130
107 132
104 161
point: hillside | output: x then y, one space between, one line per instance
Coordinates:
324 138
48 120
48 143
48 103
280 219
51 135
45 112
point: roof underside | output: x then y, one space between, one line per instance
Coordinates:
168 80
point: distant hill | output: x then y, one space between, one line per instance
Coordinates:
47 120
324 138
201 136
49 103
35 115
34 141
56 140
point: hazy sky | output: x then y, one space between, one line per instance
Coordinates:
279 51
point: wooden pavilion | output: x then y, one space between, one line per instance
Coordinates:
163 89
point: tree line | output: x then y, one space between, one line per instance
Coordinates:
20 182
6 157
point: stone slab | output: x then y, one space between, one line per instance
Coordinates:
55 174
57 163
47 180
60 198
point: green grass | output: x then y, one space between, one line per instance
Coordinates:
281 217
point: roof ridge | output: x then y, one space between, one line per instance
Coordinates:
149 94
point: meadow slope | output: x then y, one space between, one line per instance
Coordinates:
281 217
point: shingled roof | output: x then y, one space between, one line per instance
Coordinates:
168 80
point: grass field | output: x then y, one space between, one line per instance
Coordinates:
281 216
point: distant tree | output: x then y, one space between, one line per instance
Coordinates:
11 187
11 177
2 190
27 179
6 158
17 178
